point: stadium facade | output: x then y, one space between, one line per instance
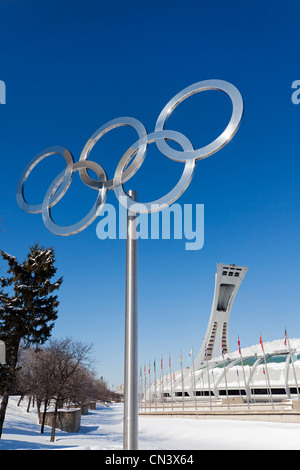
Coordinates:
259 373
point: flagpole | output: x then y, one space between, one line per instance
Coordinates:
162 383
225 377
213 378
141 388
251 388
155 384
194 378
171 388
244 376
182 380
292 361
160 388
238 377
145 383
268 388
210 405
149 388
267 373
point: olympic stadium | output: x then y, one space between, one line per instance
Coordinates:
260 373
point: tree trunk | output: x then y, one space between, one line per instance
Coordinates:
44 416
28 406
52 439
3 409
8 387
21 398
38 406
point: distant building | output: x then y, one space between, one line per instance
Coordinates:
120 389
218 373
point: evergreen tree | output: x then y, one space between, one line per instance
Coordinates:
28 309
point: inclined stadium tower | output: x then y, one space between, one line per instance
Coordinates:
228 279
217 375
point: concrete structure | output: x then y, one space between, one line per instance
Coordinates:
214 376
85 407
228 279
67 420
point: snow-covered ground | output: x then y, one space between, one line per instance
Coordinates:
277 345
103 429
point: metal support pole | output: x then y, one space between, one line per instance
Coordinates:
130 440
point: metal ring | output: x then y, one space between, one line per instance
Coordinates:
126 169
37 208
174 194
93 213
134 166
222 140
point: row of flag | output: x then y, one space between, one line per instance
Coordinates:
161 362
172 378
205 353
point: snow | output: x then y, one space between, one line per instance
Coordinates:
102 429
276 345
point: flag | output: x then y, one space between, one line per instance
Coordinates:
169 361
285 337
154 366
161 364
149 368
180 358
239 345
261 343
205 353
222 349
190 353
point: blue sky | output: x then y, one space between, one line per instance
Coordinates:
69 67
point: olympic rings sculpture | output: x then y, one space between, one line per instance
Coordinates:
125 170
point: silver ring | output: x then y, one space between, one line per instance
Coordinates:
93 213
174 194
138 150
37 208
222 140
134 166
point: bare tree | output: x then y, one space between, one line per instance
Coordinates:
67 377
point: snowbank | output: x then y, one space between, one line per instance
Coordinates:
102 429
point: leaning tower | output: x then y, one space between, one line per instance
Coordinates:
227 282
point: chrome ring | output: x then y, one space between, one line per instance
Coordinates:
37 208
217 144
93 213
134 166
126 169
174 194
